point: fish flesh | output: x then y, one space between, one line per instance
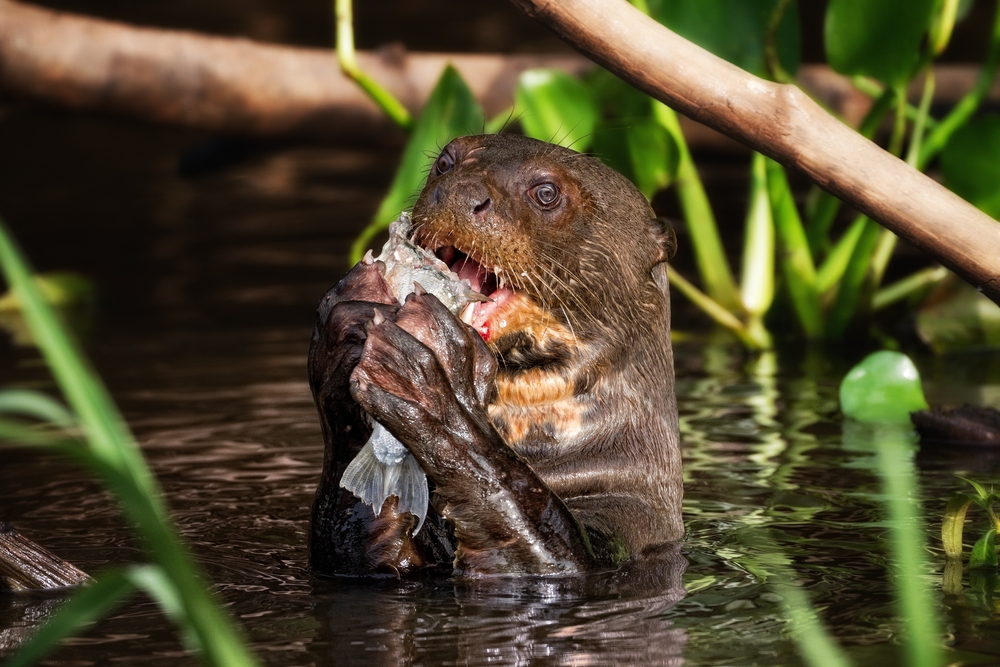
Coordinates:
384 467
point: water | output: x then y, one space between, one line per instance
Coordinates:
207 294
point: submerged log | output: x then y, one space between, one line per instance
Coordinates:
965 425
26 566
785 124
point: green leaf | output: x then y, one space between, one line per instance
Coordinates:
796 259
850 301
984 552
970 165
87 605
953 525
883 388
980 491
451 111
37 405
641 150
554 106
877 38
757 285
733 29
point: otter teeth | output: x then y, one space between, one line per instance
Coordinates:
501 281
467 313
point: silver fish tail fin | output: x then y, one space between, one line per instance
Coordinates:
365 477
373 481
411 489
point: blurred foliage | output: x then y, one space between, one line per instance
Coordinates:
93 432
797 275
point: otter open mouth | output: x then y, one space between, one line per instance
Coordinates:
486 317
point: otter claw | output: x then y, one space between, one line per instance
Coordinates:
378 319
369 258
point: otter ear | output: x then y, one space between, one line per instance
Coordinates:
666 239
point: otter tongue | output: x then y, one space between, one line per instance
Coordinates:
471 270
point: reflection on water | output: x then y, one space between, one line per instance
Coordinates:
202 336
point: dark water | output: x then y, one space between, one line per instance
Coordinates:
207 290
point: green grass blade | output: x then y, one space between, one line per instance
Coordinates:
752 339
967 106
37 405
757 283
796 260
118 456
816 645
87 605
832 270
849 293
710 256
896 448
911 284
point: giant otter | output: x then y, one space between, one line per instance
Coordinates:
547 428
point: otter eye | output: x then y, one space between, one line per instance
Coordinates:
546 194
444 163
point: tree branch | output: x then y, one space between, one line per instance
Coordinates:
785 124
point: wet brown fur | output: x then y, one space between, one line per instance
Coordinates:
583 388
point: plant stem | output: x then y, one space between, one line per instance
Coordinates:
895 452
112 443
911 284
796 260
757 284
845 306
349 66
709 254
752 340
771 57
940 135
832 270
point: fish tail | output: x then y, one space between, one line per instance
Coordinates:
365 477
373 481
411 489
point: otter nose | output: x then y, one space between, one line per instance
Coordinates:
482 206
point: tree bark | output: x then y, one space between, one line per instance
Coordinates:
242 87
228 85
25 566
784 123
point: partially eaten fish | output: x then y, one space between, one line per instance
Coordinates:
384 467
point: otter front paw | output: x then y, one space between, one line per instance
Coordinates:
400 382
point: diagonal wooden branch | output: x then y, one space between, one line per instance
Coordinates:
785 124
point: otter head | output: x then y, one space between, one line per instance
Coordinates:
562 245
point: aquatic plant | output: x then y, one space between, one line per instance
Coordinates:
984 553
94 433
884 388
827 284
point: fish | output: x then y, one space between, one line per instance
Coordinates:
385 467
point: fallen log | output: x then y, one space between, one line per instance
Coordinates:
26 566
784 123
228 85
237 86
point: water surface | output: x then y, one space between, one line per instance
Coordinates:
207 291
